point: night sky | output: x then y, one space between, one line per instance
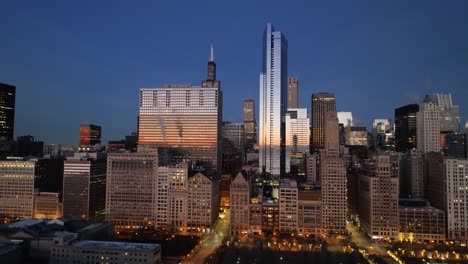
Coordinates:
76 62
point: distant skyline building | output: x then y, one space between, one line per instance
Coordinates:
7 111
345 118
84 186
356 136
383 134
273 102
321 104
449 113
297 135
293 92
250 124
428 127
405 127
184 117
131 193
90 135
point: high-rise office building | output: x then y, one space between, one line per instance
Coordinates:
378 198
234 132
7 111
405 127
273 102
449 113
22 181
321 103
455 175
250 124
333 178
184 117
84 186
16 189
297 135
131 189
90 135
293 92
428 127
412 175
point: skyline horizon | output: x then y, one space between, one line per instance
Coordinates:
407 52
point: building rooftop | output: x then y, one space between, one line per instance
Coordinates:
116 245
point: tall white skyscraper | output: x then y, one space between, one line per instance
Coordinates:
297 134
273 101
428 127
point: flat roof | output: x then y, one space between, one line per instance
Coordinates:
116 245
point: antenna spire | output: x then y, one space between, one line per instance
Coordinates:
211 53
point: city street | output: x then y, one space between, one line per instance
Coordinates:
210 241
363 242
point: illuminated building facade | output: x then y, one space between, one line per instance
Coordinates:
7 111
184 117
273 102
16 189
90 135
47 205
356 136
449 113
321 104
131 189
250 124
421 222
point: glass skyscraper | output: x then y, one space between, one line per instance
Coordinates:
273 101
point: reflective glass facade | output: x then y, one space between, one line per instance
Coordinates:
321 103
183 117
273 102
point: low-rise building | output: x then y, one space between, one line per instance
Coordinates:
421 222
89 251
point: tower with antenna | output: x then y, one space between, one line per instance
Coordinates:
211 78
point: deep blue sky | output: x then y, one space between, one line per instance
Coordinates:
77 62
